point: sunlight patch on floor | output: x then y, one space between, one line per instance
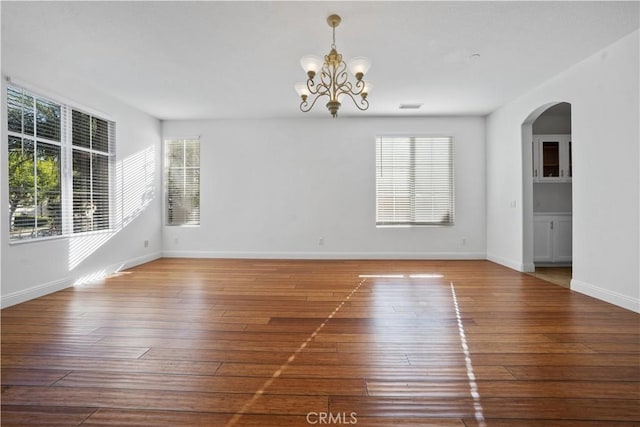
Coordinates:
473 386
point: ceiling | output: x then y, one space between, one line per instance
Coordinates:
208 59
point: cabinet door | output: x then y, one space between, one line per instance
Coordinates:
552 158
562 239
542 240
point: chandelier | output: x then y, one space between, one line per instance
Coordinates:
334 79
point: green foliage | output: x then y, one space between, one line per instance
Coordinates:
34 168
23 179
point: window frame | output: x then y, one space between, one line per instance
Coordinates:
66 171
167 167
412 211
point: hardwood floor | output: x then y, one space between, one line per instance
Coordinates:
182 342
557 275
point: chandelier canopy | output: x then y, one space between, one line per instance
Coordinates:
334 78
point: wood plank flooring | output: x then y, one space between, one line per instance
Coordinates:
184 342
557 275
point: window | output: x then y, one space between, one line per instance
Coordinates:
414 181
182 181
60 161
90 155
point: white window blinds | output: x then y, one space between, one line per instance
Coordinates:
182 181
91 149
414 181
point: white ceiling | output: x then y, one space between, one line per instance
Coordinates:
192 60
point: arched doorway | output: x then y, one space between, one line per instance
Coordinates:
547 191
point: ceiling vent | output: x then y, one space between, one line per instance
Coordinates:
410 106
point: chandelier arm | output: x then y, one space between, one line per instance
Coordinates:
359 87
312 87
303 104
321 89
325 78
344 86
362 105
352 89
325 81
341 75
347 88
326 92
340 78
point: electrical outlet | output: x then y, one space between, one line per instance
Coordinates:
321 241
146 243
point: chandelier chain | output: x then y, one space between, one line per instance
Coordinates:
333 45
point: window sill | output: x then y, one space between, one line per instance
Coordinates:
58 237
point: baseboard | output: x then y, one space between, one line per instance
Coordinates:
142 260
553 264
35 292
615 298
114 268
60 284
326 255
512 264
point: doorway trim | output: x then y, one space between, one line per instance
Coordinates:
527 184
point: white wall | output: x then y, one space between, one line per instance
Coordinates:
604 94
63 261
552 197
273 188
552 125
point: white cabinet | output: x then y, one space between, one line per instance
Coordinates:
552 238
552 158
542 240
